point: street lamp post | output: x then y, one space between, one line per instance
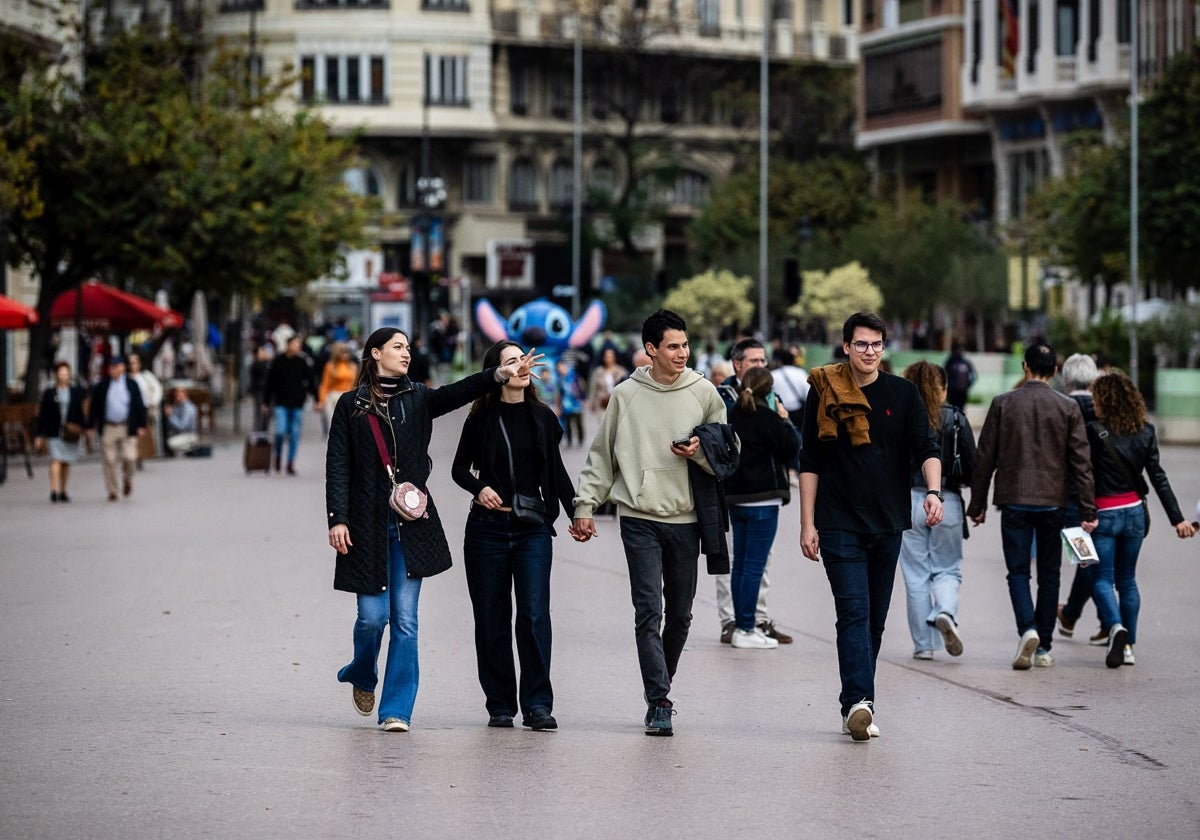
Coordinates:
1133 190
763 114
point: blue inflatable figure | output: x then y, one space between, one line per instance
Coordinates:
542 325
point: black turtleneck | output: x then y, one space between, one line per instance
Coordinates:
389 386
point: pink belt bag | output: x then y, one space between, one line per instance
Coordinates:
408 500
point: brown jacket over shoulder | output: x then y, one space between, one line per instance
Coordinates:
1035 441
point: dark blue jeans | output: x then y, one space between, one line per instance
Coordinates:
1017 531
502 557
663 564
754 528
861 569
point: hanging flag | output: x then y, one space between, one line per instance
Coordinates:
1010 15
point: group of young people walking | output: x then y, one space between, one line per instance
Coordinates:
881 474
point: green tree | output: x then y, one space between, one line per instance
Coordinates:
1169 191
148 174
830 297
712 301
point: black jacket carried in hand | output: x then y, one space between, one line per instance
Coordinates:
720 446
357 484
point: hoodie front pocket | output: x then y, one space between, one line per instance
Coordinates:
665 492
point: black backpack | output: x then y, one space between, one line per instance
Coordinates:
958 460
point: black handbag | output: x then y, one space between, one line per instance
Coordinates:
530 509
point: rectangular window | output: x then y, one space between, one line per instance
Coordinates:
976 40
332 88
1093 28
308 78
1067 35
353 88
847 12
560 95
479 179
905 80
378 94
1123 15
518 96
708 15
445 5
1034 38
446 80
911 10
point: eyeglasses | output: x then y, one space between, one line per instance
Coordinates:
862 347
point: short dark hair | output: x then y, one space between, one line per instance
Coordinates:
738 352
867 320
1040 359
658 323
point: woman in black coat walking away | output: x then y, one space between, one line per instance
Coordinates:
60 423
508 459
380 557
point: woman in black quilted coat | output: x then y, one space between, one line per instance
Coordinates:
381 558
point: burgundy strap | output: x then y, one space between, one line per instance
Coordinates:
383 453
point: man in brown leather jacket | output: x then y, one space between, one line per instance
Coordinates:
1034 440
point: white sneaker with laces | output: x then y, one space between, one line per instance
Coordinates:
1128 655
923 654
1023 661
394 725
872 730
1043 659
950 638
858 721
753 640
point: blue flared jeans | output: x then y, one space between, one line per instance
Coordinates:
395 609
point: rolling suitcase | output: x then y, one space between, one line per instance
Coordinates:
257 455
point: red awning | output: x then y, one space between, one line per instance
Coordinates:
107 309
15 315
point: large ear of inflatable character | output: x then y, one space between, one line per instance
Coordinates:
489 321
587 326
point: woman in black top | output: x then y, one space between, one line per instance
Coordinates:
62 403
755 493
509 448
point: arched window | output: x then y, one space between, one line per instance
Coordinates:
522 185
562 176
691 190
361 180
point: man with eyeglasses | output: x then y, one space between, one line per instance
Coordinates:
862 430
745 354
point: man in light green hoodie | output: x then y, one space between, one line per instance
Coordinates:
639 459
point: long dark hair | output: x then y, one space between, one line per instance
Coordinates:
491 359
368 371
756 384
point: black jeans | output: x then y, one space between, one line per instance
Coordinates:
1018 529
503 555
663 565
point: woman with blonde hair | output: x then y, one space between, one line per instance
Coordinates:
931 557
1124 446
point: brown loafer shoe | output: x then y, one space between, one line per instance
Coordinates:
364 701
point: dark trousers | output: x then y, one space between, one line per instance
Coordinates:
862 570
502 557
663 565
1017 531
573 426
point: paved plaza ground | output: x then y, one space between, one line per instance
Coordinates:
167 670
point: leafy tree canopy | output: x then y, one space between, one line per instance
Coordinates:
711 301
830 296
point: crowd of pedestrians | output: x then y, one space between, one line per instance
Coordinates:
883 464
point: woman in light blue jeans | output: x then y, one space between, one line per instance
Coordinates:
931 558
1124 446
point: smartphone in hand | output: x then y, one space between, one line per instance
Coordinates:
682 442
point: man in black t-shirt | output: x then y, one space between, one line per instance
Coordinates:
862 430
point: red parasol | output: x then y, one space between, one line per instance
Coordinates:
15 315
106 309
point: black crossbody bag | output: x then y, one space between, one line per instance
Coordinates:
526 508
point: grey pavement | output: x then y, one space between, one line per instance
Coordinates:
167 669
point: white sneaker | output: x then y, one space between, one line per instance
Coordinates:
1128 655
1043 659
945 625
1023 661
858 721
753 639
394 725
872 730
923 654
1117 637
